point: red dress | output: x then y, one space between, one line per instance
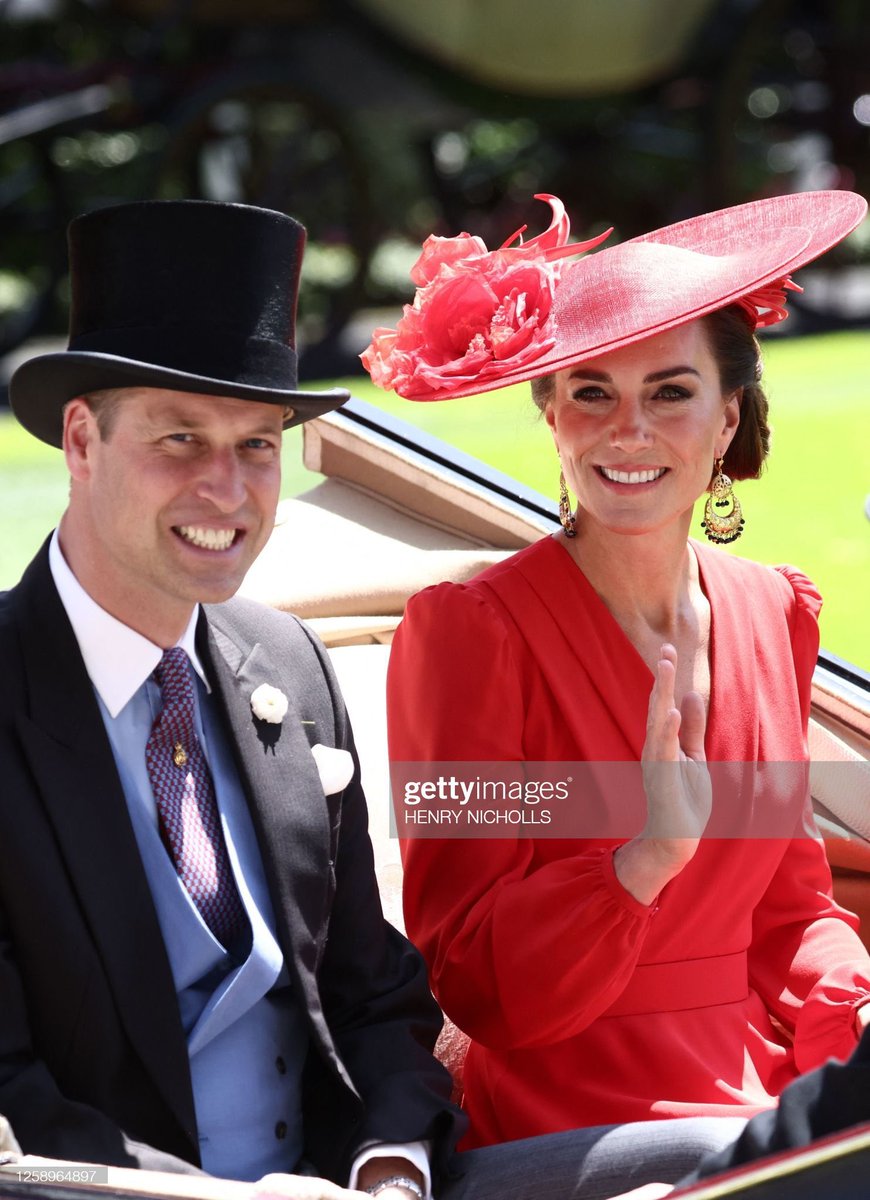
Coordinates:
584 1006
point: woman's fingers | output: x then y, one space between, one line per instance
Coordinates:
675 775
693 726
672 730
663 717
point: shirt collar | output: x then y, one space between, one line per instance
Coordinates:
117 659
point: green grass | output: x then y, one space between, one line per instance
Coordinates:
807 508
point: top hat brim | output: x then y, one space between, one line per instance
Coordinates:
661 280
40 387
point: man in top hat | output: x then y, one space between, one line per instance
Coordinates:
192 956
194 970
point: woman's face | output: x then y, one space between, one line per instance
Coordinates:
638 430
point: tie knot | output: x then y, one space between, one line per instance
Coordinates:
173 676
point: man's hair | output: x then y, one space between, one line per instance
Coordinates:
104 405
738 357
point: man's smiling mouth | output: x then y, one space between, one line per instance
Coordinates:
205 538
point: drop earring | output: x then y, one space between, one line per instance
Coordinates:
566 516
722 526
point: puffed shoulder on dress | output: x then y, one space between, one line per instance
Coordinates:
456 615
804 602
452 644
807 597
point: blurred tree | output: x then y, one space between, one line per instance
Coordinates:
338 112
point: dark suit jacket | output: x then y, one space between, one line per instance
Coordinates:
825 1101
93 1063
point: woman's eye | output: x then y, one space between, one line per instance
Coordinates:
672 391
589 393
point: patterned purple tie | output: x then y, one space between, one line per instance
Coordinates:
186 805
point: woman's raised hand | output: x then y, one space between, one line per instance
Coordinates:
675 775
677 785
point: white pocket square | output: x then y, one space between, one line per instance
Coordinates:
335 768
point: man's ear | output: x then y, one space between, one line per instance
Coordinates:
79 432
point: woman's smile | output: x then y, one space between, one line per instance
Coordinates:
633 476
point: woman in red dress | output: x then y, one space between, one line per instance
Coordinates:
698 964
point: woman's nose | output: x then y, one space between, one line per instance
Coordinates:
629 429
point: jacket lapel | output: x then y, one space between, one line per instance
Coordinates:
287 804
74 768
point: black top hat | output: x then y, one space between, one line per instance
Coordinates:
188 295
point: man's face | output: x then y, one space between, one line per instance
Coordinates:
174 506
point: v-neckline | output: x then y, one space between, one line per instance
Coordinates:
617 633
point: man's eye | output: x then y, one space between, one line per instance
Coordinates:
180 437
259 444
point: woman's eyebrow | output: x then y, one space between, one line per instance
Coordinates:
595 376
654 377
658 376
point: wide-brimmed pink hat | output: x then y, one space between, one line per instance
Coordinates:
485 319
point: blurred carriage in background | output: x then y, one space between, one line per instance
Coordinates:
377 121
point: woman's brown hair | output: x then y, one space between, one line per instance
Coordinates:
738 356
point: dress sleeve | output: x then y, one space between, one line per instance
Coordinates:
806 958
804 607
522 950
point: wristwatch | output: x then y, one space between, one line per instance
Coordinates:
402 1181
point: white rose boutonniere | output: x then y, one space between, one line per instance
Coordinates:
335 768
269 704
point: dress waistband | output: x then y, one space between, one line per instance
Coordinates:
691 983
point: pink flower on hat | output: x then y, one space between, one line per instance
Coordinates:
477 313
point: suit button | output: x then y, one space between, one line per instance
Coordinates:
280 1065
281 1130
